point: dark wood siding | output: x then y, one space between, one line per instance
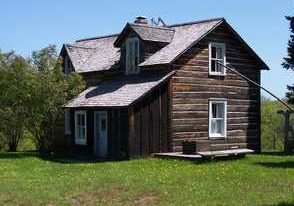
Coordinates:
149 124
117 133
192 87
94 78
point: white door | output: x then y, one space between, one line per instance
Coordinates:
100 133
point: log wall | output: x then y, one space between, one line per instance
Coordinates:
192 87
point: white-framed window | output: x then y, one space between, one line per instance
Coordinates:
132 56
217 118
217 53
67 121
80 127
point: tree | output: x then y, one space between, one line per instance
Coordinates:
288 62
54 90
32 95
17 81
272 125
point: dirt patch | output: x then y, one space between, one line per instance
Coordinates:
115 195
89 198
8 199
147 199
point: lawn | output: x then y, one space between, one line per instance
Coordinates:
267 180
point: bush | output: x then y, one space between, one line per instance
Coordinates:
3 142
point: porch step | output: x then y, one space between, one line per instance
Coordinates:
207 154
225 153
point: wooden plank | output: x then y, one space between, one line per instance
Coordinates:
131 139
225 152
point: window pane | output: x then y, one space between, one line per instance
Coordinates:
219 68
213 52
83 131
219 53
220 110
79 132
213 126
220 126
213 65
83 120
214 110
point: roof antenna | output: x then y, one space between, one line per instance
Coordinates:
153 22
159 22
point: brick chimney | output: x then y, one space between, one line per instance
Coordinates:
141 20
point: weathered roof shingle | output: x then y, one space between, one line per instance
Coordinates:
151 33
101 53
119 92
95 54
185 35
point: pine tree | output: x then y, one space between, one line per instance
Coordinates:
288 62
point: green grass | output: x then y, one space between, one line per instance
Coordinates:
265 180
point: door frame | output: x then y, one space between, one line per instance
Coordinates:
95 132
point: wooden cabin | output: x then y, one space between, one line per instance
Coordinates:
153 87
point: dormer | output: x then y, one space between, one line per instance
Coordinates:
67 65
138 41
132 51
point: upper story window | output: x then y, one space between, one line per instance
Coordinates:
217 53
132 56
67 66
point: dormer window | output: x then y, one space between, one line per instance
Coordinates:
217 53
132 56
67 66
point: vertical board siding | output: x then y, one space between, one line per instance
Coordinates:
148 124
117 133
192 87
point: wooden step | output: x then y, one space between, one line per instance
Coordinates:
222 153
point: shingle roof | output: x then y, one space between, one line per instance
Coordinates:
185 35
119 92
151 33
93 54
97 54
147 33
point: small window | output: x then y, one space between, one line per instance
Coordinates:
67 121
217 118
80 127
217 53
132 56
67 66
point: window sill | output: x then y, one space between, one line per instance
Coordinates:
217 137
216 74
80 142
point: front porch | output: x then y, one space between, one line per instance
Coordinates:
206 154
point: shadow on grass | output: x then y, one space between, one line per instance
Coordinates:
274 153
204 160
57 158
18 155
283 165
282 204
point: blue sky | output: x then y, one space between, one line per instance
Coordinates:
29 25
